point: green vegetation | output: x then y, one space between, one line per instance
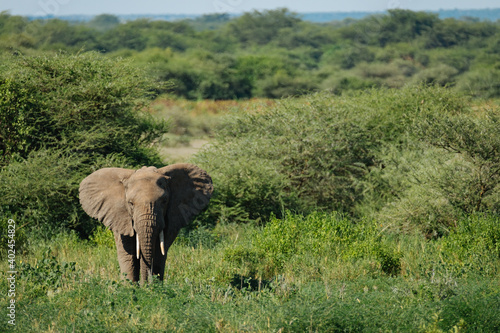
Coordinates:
335 276
371 205
63 116
275 53
417 158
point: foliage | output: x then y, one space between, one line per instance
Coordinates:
481 83
262 27
286 157
64 116
440 285
47 275
83 102
277 53
324 235
475 239
355 153
103 237
473 138
42 191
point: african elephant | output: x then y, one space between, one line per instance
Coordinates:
145 209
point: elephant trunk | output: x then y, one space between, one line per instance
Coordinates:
147 233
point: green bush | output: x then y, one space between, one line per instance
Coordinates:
471 178
475 236
483 83
84 103
103 237
321 151
62 117
441 74
325 235
348 56
286 157
449 168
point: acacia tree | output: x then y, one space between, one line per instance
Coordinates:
61 117
474 139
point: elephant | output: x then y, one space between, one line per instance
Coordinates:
145 209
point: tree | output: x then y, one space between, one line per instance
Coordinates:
62 117
262 27
104 22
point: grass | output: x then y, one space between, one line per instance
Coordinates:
222 280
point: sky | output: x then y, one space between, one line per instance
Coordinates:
94 7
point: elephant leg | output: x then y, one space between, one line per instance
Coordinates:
127 258
159 260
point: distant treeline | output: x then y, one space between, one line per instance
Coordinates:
278 53
318 17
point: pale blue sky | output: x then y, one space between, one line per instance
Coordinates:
92 7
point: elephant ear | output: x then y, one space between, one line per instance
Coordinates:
190 192
102 196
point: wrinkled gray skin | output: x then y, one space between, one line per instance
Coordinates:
140 204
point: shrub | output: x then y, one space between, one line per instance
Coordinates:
322 151
62 117
420 209
474 242
472 178
283 85
348 56
42 190
324 235
83 103
440 74
337 83
481 83
314 234
103 237
287 157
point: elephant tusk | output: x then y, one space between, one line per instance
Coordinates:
138 248
162 243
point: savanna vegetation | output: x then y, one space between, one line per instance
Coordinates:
368 201
276 53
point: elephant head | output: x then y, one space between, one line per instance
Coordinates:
145 209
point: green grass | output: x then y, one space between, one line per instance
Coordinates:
232 279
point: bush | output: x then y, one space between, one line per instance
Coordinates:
41 190
348 56
481 83
103 237
283 85
83 103
201 75
322 151
471 178
440 74
475 240
62 117
324 235
285 157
